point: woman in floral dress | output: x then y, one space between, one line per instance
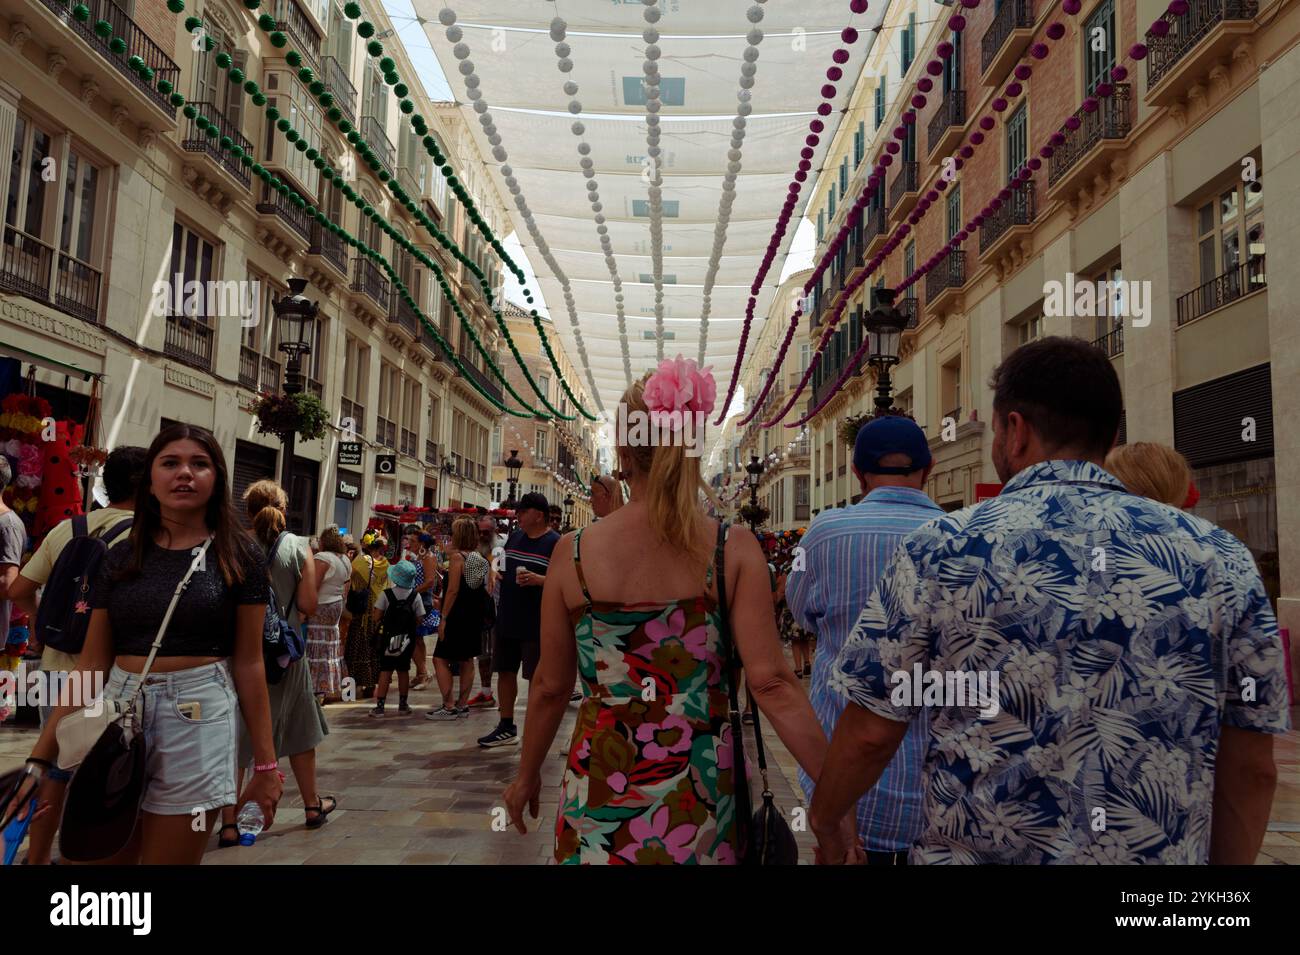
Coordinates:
650 772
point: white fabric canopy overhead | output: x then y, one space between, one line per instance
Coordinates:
589 265
699 73
560 114
625 16
692 147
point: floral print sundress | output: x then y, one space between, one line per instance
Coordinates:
649 774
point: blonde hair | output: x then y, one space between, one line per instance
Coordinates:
673 485
464 534
1152 470
613 488
266 503
331 540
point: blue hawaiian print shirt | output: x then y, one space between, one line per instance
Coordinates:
1121 633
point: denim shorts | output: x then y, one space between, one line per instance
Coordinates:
190 763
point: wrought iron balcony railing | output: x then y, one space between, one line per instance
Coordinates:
904 182
1013 15
489 383
275 203
248 360
372 131
367 279
349 409
76 288
32 268
198 141
1165 52
949 273
328 246
290 19
1110 120
188 340
137 44
1223 289
1112 343
951 112
401 314
1020 209
335 77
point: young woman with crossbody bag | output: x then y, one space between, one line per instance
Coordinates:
190 681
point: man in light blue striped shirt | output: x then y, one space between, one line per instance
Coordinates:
845 553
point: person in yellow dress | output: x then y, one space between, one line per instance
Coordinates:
369 573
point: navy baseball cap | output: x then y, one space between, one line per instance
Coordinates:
890 435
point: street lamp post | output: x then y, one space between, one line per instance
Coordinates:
753 474
884 326
513 467
293 312
568 512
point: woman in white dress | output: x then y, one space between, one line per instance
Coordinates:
323 651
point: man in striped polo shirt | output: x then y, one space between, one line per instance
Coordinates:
519 610
845 553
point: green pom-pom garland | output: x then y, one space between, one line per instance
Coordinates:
192 24
316 87
365 29
177 100
266 22
335 114
176 6
259 100
306 75
223 61
293 58
103 28
252 4
279 40
117 45
406 106
81 13
387 65
400 90
351 10
190 112
236 76
375 48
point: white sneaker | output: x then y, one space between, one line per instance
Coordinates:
441 715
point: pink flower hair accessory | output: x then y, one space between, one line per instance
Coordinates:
679 385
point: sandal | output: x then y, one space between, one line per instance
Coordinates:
222 843
315 822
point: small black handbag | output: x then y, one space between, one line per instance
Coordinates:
103 798
764 837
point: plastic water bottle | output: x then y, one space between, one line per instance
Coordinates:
250 823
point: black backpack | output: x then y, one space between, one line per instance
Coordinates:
399 623
64 614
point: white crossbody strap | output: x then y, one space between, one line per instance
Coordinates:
195 564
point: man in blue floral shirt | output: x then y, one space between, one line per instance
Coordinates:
1133 659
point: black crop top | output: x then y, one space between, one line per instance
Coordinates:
203 624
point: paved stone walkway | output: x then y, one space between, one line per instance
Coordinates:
412 791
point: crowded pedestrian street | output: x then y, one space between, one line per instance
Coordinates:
840 433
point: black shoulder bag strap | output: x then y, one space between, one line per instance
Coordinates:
740 778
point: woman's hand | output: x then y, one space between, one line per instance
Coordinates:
15 803
265 789
522 792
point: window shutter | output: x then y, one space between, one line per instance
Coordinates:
1208 418
234 95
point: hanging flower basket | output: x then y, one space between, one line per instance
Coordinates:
282 415
753 514
87 459
850 427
